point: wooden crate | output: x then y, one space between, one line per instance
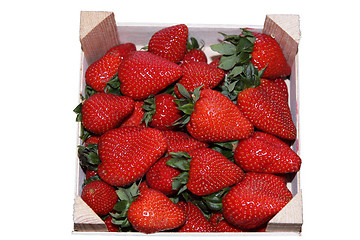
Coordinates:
99 32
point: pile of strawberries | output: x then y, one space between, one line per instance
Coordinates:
174 143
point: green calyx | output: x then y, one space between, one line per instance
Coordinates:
180 160
89 157
126 197
193 43
236 57
149 107
186 104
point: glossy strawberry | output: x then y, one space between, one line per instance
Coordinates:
128 153
100 196
210 172
267 53
160 176
170 42
196 74
161 111
267 108
195 219
255 200
265 153
101 71
216 119
135 118
143 74
194 55
221 225
181 142
109 225
104 111
152 212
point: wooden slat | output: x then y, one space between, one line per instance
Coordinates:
85 219
98 33
285 28
290 218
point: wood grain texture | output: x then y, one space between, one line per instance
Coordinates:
98 33
285 28
85 219
290 218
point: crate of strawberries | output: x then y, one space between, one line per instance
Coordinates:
188 128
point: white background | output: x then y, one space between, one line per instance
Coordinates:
39 72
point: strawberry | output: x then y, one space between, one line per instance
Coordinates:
255 200
265 153
267 108
135 118
282 86
195 219
221 225
160 176
152 212
214 118
267 53
194 55
92 139
210 172
196 74
100 196
104 111
101 71
143 74
109 225
127 153
181 142
161 111
170 42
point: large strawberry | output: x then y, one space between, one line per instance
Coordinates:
214 118
255 200
104 111
208 171
143 74
267 53
170 42
100 196
152 212
196 74
195 219
267 108
127 153
101 71
182 142
263 152
161 111
160 176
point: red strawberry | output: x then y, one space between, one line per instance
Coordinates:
196 74
267 53
135 119
210 172
160 176
265 153
170 42
267 108
90 173
104 111
282 86
181 142
215 62
255 200
101 71
127 153
161 111
143 74
100 196
216 119
195 219
110 226
194 55
92 139
152 212
221 225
